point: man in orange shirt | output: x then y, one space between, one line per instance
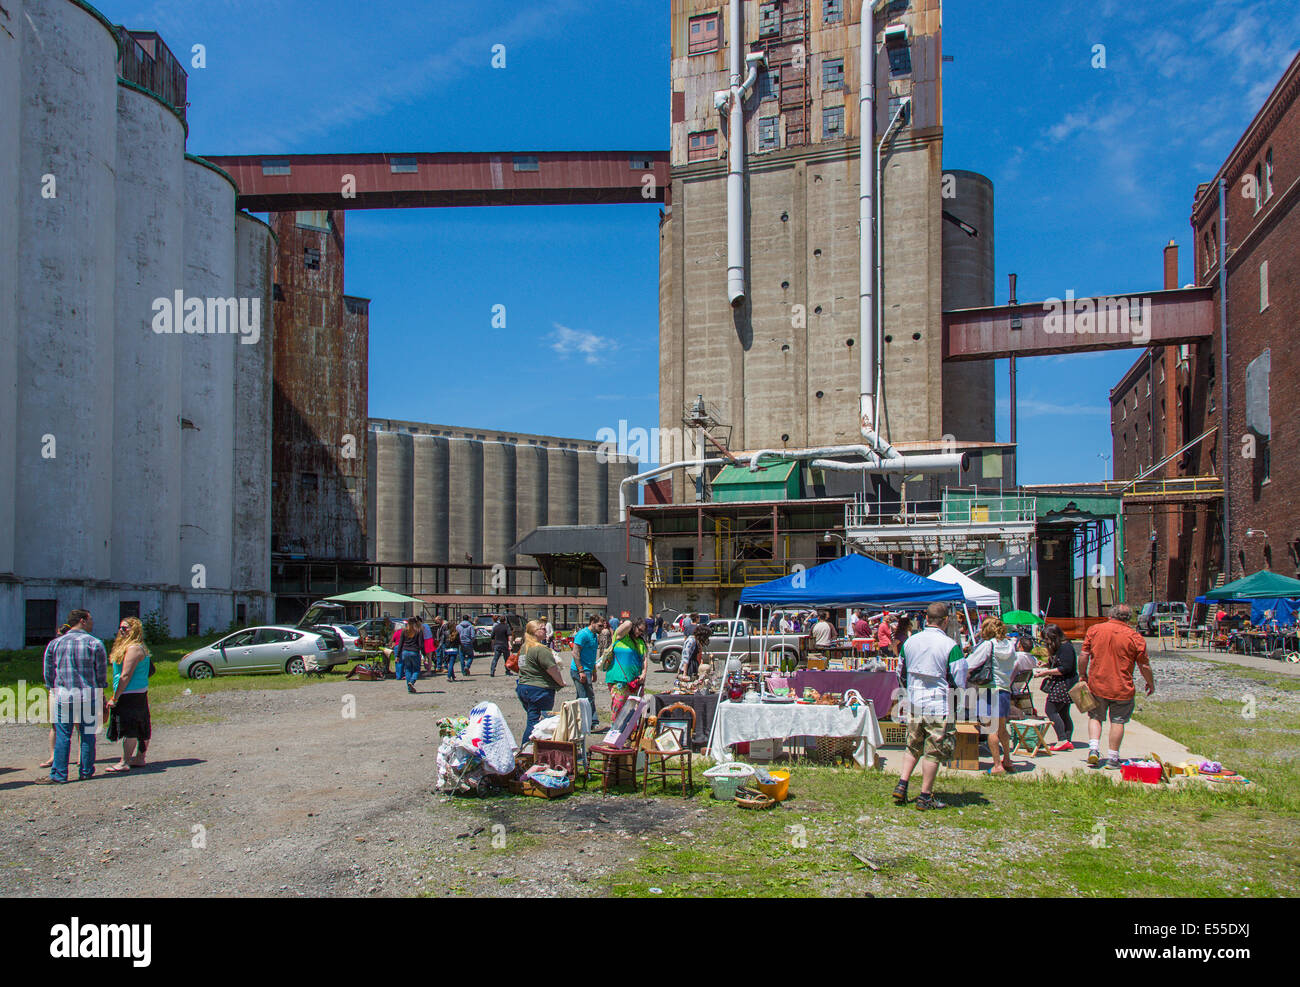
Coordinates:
1110 651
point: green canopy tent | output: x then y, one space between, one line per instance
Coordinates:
374 594
1264 584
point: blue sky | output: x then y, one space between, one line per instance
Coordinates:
1094 172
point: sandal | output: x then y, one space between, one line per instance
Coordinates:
900 793
46 764
117 769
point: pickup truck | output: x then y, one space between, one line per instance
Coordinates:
747 645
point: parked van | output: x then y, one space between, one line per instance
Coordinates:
1161 610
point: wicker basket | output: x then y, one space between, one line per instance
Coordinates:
751 798
829 750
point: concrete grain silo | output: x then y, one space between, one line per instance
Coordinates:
10 160
968 387
66 224
618 468
593 478
465 515
562 485
531 486
395 496
150 223
251 554
429 512
208 388
498 508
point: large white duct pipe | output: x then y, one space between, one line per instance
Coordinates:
733 99
866 225
871 464
942 463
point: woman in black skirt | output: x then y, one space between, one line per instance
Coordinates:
1059 677
129 706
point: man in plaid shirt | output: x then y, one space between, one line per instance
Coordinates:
76 673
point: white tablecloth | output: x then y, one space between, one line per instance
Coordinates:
738 722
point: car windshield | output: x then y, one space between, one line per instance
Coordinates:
349 629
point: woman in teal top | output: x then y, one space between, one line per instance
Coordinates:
630 649
130 703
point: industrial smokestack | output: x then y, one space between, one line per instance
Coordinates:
1171 265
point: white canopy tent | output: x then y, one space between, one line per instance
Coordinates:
977 595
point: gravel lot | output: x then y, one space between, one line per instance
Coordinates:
294 799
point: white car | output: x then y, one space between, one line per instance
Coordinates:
263 649
349 635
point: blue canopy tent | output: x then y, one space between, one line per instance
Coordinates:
853 580
1284 611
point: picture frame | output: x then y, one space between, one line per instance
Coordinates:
671 737
621 730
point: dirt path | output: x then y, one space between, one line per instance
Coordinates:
295 799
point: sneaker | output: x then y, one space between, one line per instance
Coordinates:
900 793
47 780
926 802
1113 764
1094 759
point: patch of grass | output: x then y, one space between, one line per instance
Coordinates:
1077 836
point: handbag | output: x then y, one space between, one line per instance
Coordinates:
605 660
983 675
1083 698
512 662
113 729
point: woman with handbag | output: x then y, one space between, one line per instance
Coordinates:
539 677
626 662
408 647
1059 677
129 708
991 665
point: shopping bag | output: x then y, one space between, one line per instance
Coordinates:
1081 697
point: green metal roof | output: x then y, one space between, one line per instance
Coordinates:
777 472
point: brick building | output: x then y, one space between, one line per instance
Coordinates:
1172 395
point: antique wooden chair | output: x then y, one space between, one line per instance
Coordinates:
679 719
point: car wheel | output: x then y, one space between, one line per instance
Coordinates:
295 666
671 660
201 670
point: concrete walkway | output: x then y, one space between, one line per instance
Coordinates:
1140 742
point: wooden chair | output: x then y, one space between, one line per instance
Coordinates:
660 764
609 761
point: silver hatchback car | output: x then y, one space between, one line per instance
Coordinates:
262 649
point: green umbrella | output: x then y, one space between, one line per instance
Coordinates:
374 594
1017 617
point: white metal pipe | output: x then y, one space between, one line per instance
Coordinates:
756 458
878 340
944 463
737 92
866 225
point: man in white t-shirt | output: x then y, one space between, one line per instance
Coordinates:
930 728
823 634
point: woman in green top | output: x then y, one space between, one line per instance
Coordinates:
130 703
539 677
630 649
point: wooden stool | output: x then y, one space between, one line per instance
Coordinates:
1029 736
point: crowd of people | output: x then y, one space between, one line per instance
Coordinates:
933 664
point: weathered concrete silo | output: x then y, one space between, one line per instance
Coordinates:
465 514
10 160
208 384
395 497
150 224
429 512
968 405
593 477
531 486
66 220
251 554
562 485
498 510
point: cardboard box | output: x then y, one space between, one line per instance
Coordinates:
966 751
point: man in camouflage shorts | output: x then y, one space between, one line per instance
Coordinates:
931 731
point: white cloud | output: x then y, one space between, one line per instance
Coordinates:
1032 406
566 342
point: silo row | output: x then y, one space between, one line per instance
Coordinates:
441 499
